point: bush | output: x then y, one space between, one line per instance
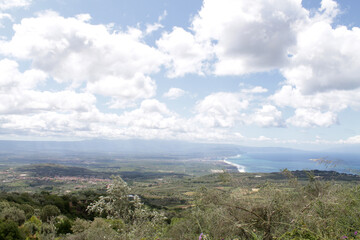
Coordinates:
9 230
14 214
63 226
49 212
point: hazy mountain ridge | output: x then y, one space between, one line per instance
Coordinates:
136 147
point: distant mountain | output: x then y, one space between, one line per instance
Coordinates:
354 148
135 147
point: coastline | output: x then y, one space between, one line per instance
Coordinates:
240 168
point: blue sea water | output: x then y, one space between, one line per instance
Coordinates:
274 162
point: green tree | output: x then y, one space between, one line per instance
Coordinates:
14 214
9 230
28 210
80 225
4 205
32 227
48 212
47 231
116 204
141 222
63 226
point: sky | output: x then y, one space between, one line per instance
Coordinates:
257 73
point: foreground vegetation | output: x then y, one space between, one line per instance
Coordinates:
287 205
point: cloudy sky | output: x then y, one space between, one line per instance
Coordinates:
261 73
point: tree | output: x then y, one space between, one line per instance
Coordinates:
14 214
4 205
9 230
141 221
31 227
63 226
116 204
48 212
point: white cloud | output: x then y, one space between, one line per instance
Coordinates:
29 101
335 100
11 77
267 116
174 93
222 109
85 124
257 89
324 106
186 54
8 4
116 64
123 91
18 94
329 9
351 140
152 114
312 118
249 36
325 59
262 139
153 27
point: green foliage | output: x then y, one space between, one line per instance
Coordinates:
231 206
49 212
71 206
13 214
32 227
317 210
140 221
47 231
28 210
4 205
300 234
9 231
80 225
116 204
98 229
63 225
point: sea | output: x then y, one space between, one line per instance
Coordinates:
275 162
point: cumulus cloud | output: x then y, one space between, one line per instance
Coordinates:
91 123
262 139
174 93
8 4
320 64
11 77
150 114
335 100
34 101
267 116
222 109
18 94
155 26
312 118
257 89
351 140
322 73
324 106
115 64
249 36
152 120
325 59
185 53
123 91
329 9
